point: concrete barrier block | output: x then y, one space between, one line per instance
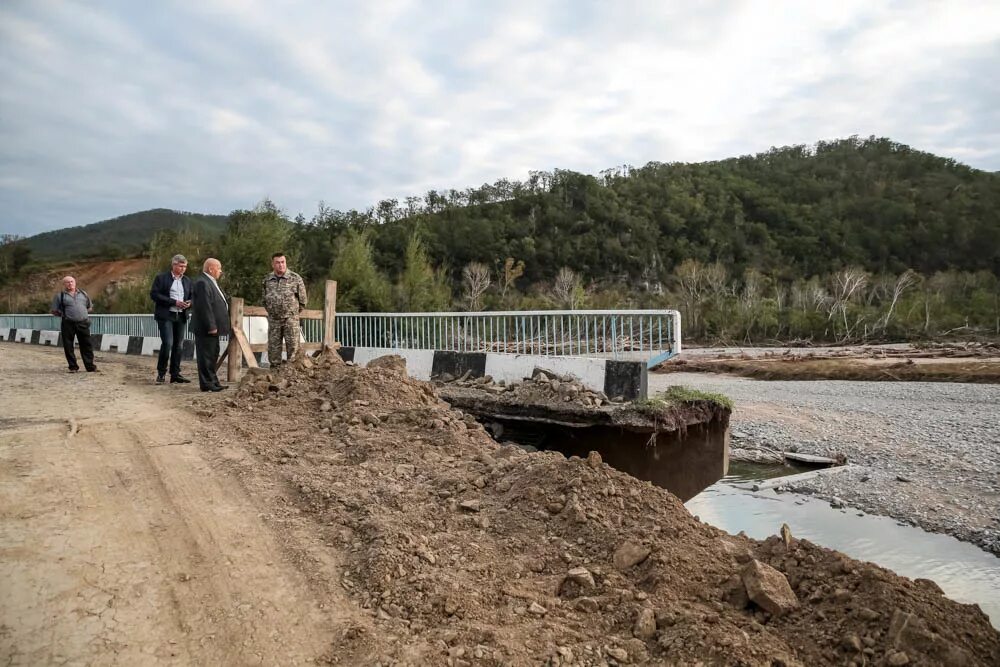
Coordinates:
117 341
134 345
22 335
457 363
35 336
150 346
49 338
628 379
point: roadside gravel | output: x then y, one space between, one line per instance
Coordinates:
924 453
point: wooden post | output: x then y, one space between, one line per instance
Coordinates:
235 360
329 313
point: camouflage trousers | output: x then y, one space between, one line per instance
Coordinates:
280 330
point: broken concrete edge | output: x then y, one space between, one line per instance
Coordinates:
676 417
628 379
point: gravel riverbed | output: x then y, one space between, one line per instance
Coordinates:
924 453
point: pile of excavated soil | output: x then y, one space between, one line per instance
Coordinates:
543 387
467 552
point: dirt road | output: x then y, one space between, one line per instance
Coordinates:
121 542
328 513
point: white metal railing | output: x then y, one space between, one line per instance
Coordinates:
125 325
651 335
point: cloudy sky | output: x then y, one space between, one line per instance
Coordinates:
112 107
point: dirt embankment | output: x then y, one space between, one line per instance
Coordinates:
461 551
96 278
968 362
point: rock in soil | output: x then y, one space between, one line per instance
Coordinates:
768 588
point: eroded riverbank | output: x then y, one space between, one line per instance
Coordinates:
926 454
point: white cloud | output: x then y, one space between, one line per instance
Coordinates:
110 108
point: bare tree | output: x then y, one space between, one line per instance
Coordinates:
476 280
906 280
846 285
715 278
750 299
697 283
567 289
507 274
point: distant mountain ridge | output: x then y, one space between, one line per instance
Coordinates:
124 236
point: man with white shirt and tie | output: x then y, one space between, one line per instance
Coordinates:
171 292
209 320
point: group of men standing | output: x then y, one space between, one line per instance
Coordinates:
177 299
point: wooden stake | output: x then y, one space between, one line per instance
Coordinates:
329 314
235 324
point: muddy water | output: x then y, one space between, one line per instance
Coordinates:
963 571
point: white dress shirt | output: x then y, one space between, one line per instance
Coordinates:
177 292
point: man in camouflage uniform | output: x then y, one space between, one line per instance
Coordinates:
284 297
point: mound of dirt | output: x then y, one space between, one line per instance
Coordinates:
463 551
544 387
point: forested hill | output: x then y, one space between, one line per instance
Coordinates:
790 212
119 237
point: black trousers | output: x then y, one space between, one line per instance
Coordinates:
171 344
206 348
71 330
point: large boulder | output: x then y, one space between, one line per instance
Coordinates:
768 588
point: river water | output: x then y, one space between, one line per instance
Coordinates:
964 572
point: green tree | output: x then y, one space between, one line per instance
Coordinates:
187 241
421 288
133 296
14 255
251 237
361 287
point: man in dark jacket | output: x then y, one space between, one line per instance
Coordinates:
171 292
210 319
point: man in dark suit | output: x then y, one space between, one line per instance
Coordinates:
209 320
171 292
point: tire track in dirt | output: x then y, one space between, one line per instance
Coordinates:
121 542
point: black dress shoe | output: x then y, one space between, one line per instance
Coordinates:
160 379
179 379
219 387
